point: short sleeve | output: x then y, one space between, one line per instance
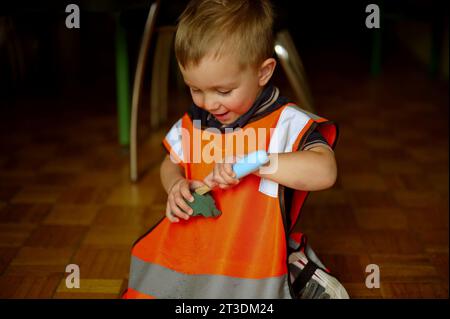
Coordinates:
173 143
314 139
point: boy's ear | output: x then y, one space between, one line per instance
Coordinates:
266 70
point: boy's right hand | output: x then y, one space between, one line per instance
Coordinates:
178 194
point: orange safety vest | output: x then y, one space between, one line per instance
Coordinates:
244 252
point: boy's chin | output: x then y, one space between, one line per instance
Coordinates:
228 120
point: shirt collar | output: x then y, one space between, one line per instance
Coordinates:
266 102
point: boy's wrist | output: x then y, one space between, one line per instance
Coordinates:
174 183
261 170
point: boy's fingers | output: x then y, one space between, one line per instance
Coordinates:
209 180
183 206
218 175
229 169
227 178
178 212
223 186
170 216
186 193
211 184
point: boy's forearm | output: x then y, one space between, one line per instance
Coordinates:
304 170
170 172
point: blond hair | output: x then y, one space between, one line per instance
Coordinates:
239 27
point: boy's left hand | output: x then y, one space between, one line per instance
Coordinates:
222 176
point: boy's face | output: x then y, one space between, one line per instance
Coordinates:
221 87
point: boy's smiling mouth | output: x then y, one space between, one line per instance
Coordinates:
221 116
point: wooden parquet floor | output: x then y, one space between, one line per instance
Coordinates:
65 196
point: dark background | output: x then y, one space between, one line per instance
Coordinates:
60 61
65 190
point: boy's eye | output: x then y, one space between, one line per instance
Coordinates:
224 92
195 90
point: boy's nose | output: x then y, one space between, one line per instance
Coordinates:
210 104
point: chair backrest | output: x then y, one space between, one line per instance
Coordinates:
293 66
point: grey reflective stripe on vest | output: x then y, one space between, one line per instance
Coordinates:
161 282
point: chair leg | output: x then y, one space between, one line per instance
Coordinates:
293 67
160 76
122 82
137 87
375 60
298 66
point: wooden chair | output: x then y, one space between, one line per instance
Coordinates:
137 85
293 67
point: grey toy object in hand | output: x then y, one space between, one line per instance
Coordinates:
204 205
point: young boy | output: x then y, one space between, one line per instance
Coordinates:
224 49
